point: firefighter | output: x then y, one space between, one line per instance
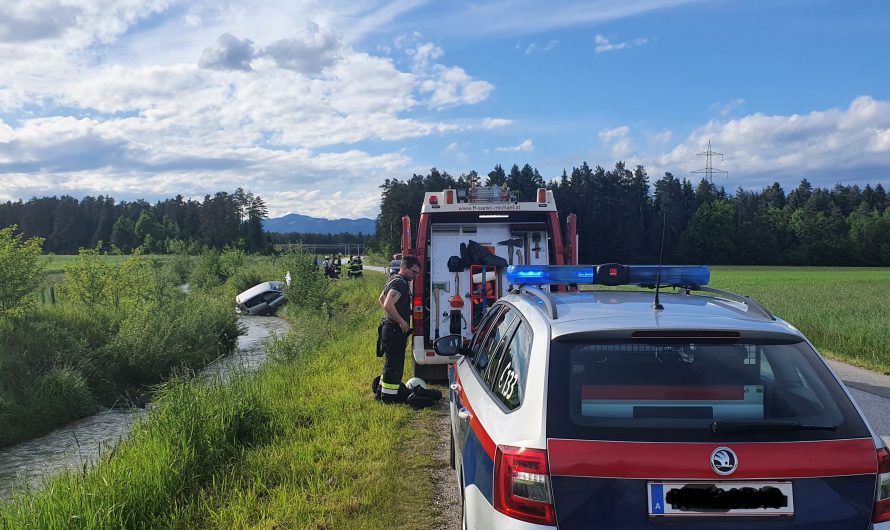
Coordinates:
336 265
355 267
328 267
394 328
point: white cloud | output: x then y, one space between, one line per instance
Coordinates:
603 44
610 134
536 48
448 86
724 109
621 146
824 146
424 54
526 146
453 86
234 97
495 123
308 52
229 53
530 17
454 150
663 137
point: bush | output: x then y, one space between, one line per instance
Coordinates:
207 271
179 266
154 338
87 279
309 290
21 271
51 337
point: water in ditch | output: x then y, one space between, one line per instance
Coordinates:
78 444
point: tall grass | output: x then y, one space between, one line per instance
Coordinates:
123 327
844 311
194 431
298 444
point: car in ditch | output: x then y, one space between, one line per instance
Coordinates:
261 299
394 266
615 409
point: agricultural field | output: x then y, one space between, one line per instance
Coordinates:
55 264
845 312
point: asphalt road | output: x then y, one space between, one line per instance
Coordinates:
871 391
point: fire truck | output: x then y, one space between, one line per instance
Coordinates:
466 239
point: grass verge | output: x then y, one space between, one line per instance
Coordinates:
299 444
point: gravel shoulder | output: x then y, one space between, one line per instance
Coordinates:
447 502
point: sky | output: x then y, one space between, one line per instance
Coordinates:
313 104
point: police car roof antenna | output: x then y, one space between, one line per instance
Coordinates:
656 305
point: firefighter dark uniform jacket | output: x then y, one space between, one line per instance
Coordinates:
393 340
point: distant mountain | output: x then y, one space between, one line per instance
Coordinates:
294 222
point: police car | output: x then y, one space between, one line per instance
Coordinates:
615 409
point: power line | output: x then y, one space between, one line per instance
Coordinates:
847 145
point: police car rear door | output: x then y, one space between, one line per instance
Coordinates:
726 436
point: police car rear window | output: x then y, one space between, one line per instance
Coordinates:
685 391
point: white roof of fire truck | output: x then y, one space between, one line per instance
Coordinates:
483 199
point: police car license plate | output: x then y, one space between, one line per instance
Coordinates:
720 499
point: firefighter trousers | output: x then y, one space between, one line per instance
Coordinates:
393 341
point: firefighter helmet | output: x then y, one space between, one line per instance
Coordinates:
415 382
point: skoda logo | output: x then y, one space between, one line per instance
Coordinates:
724 461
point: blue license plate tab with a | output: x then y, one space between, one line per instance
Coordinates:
721 499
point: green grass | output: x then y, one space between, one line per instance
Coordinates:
55 264
845 312
299 444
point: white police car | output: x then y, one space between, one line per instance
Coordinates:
594 409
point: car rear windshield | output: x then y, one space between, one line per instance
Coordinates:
692 392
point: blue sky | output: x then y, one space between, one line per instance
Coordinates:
312 104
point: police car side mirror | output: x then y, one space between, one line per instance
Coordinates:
450 345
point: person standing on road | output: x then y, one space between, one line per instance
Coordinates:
396 303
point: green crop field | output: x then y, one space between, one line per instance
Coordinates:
845 312
55 264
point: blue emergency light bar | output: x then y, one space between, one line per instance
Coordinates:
609 274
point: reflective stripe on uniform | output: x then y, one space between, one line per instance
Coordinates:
389 388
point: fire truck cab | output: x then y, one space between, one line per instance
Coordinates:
465 241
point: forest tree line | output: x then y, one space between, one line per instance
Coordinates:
621 217
173 225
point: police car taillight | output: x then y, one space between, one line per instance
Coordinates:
881 512
522 485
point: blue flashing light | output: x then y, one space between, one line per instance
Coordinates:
549 274
691 275
670 274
